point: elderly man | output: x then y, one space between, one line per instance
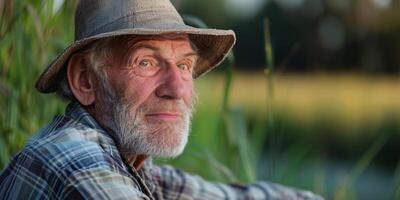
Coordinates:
129 77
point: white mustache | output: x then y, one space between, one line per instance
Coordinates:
161 105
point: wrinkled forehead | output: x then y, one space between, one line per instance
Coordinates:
178 39
124 45
183 39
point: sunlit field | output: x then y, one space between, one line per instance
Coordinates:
351 100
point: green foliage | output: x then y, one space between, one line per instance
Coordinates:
345 190
25 51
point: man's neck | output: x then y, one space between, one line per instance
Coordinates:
135 161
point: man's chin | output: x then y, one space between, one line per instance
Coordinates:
155 139
168 153
158 135
155 150
167 144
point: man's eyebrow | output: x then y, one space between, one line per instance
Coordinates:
140 45
193 53
144 46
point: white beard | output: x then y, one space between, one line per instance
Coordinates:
134 134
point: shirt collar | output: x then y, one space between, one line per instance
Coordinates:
75 111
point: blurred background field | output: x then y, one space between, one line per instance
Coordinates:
310 97
324 126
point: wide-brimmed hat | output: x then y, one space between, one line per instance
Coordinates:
99 19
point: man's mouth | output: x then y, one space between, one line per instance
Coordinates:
165 116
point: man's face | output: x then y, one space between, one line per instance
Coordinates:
148 93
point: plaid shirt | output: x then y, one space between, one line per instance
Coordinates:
74 158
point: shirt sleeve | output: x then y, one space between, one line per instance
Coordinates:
176 184
101 184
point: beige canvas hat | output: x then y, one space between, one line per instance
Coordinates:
99 19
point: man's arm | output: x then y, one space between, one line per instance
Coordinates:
176 184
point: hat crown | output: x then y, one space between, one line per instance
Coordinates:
99 16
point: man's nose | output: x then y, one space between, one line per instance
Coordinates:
172 85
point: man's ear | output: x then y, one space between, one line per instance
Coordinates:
80 80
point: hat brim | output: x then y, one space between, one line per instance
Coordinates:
213 46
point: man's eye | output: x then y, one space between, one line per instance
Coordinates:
145 63
183 66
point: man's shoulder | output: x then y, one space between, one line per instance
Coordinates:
65 147
58 152
65 142
62 158
63 153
